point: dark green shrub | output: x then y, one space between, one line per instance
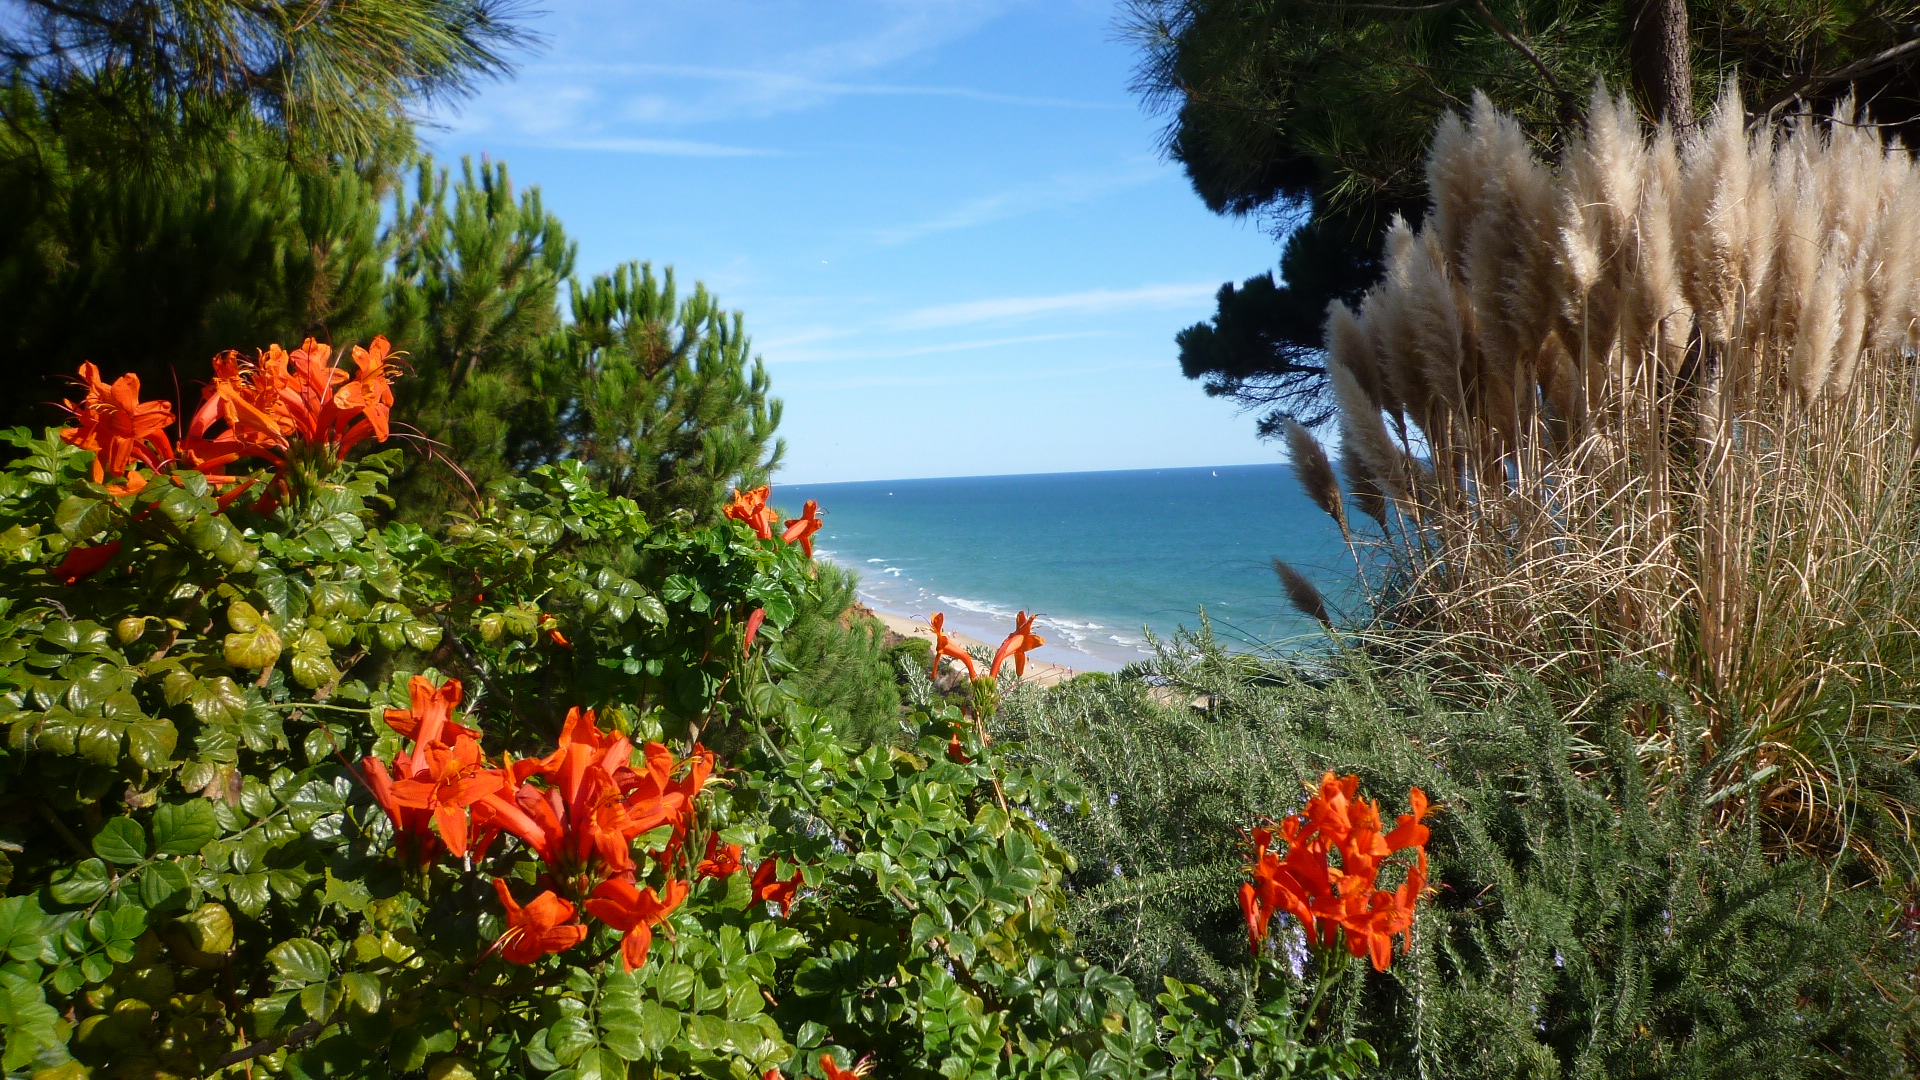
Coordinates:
1593 918
836 661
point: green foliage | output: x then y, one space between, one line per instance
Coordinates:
661 397
199 883
472 302
332 80
658 398
1594 915
167 267
837 661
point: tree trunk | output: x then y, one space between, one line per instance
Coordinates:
1662 60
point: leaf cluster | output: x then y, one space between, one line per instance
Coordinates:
197 882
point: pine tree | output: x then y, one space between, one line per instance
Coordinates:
661 396
839 662
472 302
153 271
1275 111
333 80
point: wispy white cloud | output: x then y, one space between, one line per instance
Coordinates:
788 353
1064 190
1087 302
774 57
660 147
771 86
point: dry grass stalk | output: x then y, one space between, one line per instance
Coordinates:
1658 405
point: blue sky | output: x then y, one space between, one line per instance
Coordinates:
947 221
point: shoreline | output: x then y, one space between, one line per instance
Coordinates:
1039 672
969 624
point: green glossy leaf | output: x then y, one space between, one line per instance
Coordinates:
121 840
299 961
568 1038
83 883
651 609
80 517
350 893
218 700
674 983
243 617
248 891
99 740
364 991
600 1063
32 1026
209 928
152 742
184 828
163 885
259 648
313 670
22 926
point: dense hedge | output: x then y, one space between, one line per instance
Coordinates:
290 786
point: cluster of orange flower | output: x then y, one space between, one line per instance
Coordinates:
579 809
257 408
1335 901
751 508
1015 648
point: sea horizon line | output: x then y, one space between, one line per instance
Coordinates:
1032 475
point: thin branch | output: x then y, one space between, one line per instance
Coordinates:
267 1046
1864 66
1389 9
1533 58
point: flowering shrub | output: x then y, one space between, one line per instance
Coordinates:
1336 901
292 791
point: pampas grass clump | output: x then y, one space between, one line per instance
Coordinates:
1657 404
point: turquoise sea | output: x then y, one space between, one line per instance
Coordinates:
1101 556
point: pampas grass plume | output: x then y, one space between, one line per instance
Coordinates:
1315 473
1301 593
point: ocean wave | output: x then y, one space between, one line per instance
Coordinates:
876 560
977 607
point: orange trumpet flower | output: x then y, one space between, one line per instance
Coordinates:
543 927
1018 644
84 562
721 860
833 1070
117 426
768 888
428 719
1332 902
750 507
455 779
803 527
944 646
753 629
369 391
634 912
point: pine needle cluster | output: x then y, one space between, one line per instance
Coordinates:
837 662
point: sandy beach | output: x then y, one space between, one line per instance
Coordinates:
1039 672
